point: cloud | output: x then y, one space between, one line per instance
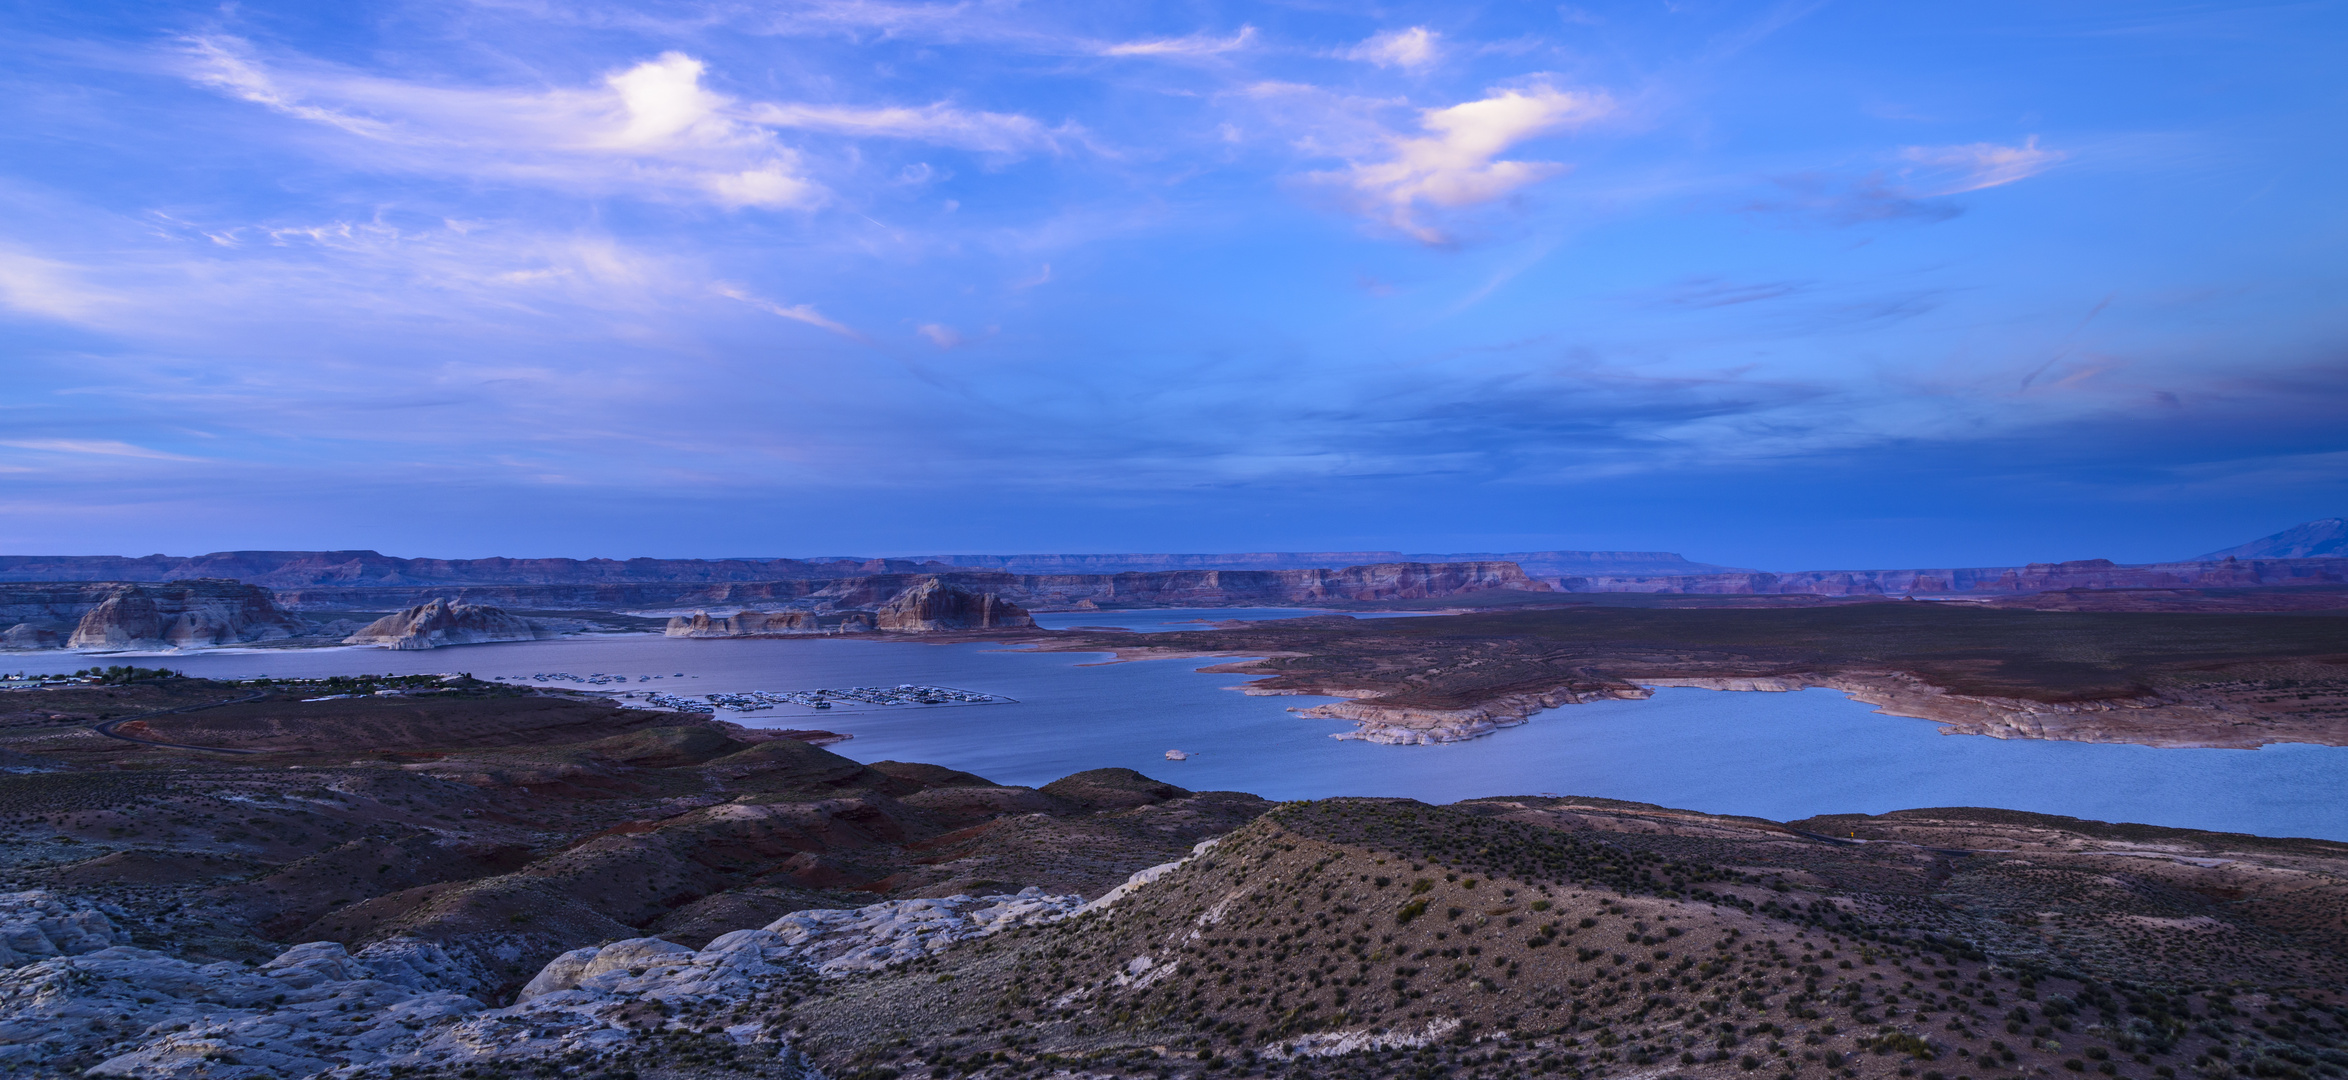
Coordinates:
1910 192
805 313
940 335
1410 49
1835 200
94 447
1192 45
938 124
1456 164
47 287
220 66
653 128
1951 170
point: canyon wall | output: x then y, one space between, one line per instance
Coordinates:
1207 588
115 616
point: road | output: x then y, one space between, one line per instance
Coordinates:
107 728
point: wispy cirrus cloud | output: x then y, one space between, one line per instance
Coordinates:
1915 191
1953 170
653 128
805 313
1188 45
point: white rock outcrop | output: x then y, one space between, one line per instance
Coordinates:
318 1010
36 926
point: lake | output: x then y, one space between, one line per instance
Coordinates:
1779 756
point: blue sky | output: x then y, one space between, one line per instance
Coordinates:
1781 285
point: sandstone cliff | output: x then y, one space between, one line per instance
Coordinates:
744 624
933 606
116 616
445 622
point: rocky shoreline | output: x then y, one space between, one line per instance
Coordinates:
2172 717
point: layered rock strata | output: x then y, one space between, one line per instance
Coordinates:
935 606
701 624
123 616
445 622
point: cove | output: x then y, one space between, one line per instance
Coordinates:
1781 756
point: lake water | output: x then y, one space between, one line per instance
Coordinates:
1779 756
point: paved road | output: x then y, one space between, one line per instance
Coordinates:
107 728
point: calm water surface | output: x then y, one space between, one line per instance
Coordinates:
1779 756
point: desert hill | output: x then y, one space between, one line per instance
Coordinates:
469 878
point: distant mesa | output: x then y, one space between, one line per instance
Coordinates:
2322 539
125 617
445 622
1536 563
935 606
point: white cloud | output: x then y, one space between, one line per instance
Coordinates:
1410 49
1191 45
805 313
1456 162
46 287
940 335
653 129
1950 170
665 99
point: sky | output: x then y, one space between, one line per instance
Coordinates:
1781 285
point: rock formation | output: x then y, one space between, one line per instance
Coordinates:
120 616
317 1007
444 622
933 606
744 624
